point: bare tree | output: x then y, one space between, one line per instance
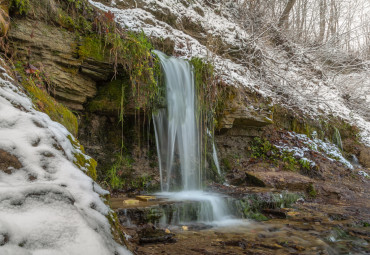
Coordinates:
322 20
285 15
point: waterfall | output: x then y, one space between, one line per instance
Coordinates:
178 144
337 139
177 128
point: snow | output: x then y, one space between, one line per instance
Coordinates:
59 212
284 79
364 174
326 149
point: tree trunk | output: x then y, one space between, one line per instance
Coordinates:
284 17
322 20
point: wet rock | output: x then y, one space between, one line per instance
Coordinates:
275 213
253 180
8 162
244 117
338 216
150 234
281 180
199 226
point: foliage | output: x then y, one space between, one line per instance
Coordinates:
115 175
305 164
19 6
263 149
37 83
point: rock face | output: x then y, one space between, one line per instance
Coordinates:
243 111
55 51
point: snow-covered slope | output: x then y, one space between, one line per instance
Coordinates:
47 204
301 83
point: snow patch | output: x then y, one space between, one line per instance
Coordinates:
48 206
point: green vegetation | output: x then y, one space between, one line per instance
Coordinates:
82 161
263 149
119 176
115 176
19 6
311 191
110 96
305 164
226 164
208 92
37 83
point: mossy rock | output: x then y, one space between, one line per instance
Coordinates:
82 161
45 103
110 96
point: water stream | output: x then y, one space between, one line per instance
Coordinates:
178 144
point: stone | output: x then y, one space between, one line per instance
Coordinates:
150 234
281 180
244 117
54 51
8 162
131 202
146 198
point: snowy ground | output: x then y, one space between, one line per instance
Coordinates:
286 81
48 205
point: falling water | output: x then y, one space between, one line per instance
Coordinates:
176 128
215 159
178 141
337 139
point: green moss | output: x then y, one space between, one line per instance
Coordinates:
82 161
35 84
92 46
311 191
64 20
116 230
109 97
226 164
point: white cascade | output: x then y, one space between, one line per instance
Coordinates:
178 141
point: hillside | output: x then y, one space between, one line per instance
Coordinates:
91 158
